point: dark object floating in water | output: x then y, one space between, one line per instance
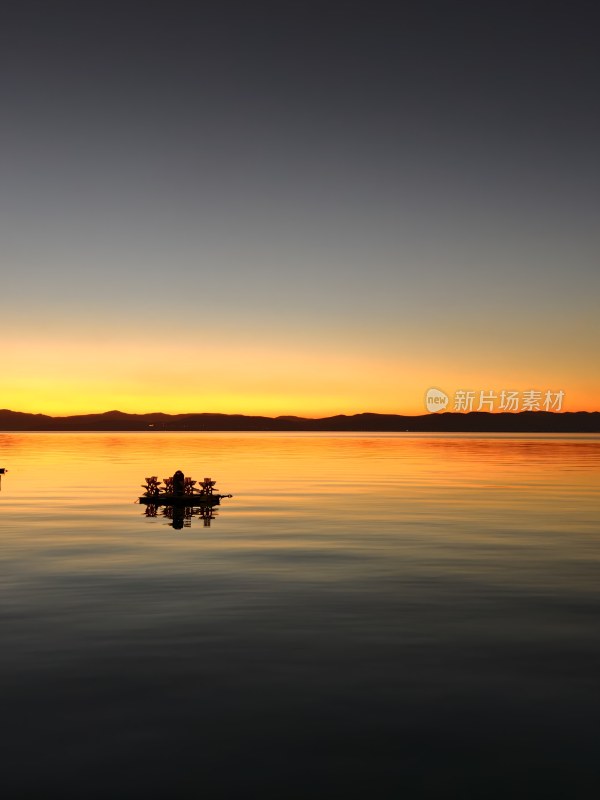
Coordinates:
3 470
183 500
180 490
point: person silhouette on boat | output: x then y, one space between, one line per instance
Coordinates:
178 482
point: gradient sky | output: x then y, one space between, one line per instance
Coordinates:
297 207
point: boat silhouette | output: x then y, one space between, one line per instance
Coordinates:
180 491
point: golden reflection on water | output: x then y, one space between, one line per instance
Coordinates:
79 461
387 503
383 592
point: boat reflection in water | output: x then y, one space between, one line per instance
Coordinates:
181 516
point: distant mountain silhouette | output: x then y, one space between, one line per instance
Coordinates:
474 422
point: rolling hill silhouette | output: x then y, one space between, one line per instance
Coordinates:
474 422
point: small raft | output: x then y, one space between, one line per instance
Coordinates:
180 491
163 499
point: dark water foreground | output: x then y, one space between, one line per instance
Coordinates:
375 616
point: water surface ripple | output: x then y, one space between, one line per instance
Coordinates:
369 615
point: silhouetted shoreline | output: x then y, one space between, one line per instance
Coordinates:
474 422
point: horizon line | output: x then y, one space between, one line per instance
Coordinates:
292 416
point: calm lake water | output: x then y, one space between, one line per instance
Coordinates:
382 616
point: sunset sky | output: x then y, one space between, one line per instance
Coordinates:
296 207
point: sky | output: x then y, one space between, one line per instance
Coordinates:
297 207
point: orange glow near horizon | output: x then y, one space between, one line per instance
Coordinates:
62 377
